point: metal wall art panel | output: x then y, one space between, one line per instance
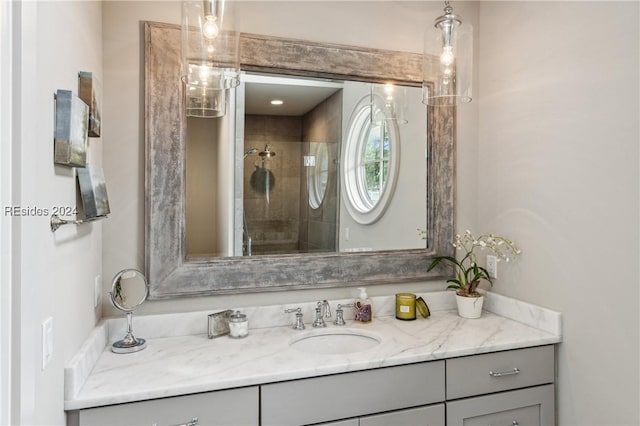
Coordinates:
70 138
93 192
90 91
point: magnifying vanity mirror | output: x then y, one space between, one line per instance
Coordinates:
129 290
261 200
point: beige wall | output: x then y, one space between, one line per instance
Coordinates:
53 274
343 22
558 172
202 207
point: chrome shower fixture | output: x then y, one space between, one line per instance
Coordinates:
267 153
249 152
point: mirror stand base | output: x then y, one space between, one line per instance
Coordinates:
126 346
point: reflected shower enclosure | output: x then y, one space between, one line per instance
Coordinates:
284 211
282 195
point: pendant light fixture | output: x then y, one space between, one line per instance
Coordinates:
210 55
448 61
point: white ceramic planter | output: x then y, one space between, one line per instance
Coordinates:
469 307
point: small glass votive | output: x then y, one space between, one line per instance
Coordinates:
238 325
406 306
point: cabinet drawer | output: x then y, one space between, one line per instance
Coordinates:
499 371
432 415
525 407
228 407
341 396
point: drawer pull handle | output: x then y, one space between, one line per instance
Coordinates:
193 422
504 373
514 423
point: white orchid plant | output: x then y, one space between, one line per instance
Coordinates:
468 273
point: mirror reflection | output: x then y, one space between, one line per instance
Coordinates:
129 289
320 166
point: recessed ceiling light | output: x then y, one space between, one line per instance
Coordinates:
276 102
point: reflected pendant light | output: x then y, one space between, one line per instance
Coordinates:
388 103
210 55
448 61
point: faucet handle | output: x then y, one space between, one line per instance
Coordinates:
298 325
340 313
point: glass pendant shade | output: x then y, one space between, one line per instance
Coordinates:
388 102
205 102
448 61
210 55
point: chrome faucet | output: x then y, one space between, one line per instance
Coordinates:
323 310
298 325
340 313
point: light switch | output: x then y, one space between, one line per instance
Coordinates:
492 266
47 341
309 160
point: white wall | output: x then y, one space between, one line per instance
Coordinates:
397 227
54 273
399 26
558 172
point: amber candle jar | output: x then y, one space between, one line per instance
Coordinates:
406 306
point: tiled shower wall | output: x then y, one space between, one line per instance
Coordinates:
282 221
318 226
273 220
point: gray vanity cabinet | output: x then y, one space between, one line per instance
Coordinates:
351 395
517 386
499 371
525 407
513 387
221 408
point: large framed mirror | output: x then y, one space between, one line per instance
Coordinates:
249 173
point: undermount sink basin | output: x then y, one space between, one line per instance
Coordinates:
334 341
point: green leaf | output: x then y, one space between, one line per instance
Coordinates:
433 264
486 275
438 259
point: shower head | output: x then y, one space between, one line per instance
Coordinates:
251 151
267 153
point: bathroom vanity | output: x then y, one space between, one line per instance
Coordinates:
499 369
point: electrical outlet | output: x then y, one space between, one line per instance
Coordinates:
492 266
47 341
97 290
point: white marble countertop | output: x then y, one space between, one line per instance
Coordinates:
181 364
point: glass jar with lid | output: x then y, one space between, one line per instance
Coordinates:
238 325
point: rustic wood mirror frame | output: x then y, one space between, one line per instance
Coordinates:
171 275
